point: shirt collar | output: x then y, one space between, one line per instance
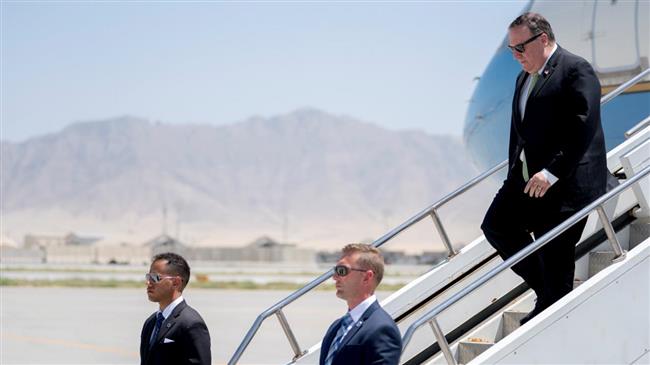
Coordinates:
170 308
360 309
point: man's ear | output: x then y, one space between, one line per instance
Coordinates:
178 283
370 275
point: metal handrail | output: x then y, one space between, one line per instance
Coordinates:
631 82
431 211
430 317
433 208
639 126
274 309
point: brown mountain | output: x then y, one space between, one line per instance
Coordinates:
308 177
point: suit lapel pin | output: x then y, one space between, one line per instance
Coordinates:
359 323
169 325
546 72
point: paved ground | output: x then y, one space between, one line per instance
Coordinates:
102 326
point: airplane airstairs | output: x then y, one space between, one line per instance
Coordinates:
471 303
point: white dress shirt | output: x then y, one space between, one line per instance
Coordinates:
361 308
170 308
523 98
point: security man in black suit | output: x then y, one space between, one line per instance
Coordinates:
557 159
175 334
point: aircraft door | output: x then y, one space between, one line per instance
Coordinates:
615 41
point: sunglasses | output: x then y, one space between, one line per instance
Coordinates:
156 278
521 46
342 270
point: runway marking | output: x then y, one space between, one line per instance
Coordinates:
67 343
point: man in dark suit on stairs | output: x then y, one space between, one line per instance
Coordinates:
366 334
176 334
557 159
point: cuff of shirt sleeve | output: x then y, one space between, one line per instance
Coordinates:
550 177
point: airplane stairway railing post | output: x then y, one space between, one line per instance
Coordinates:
597 205
288 332
431 211
619 253
440 336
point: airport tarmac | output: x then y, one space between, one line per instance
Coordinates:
102 326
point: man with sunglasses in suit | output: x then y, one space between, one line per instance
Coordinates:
175 334
557 159
366 334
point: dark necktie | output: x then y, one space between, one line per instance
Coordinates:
159 320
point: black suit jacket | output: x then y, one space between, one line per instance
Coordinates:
374 339
561 130
183 339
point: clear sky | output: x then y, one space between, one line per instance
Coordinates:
402 65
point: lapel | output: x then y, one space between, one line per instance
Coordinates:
515 105
329 337
146 347
546 73
357 326
539 85
169 323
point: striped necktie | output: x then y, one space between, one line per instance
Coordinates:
346 321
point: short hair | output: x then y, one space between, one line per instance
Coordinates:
176 265
535 22
370 258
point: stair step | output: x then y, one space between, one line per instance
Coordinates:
599 260
510 322
471 348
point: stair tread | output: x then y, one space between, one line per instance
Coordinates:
510 323
482 342
468 349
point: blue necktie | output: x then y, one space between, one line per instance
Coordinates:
340 334
159 320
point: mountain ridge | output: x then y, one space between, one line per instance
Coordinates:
307 176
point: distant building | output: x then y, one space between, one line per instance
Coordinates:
264 249
70 248
43 241
432 257
70 239
123 253
166 243
74 249
11 252
71 254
